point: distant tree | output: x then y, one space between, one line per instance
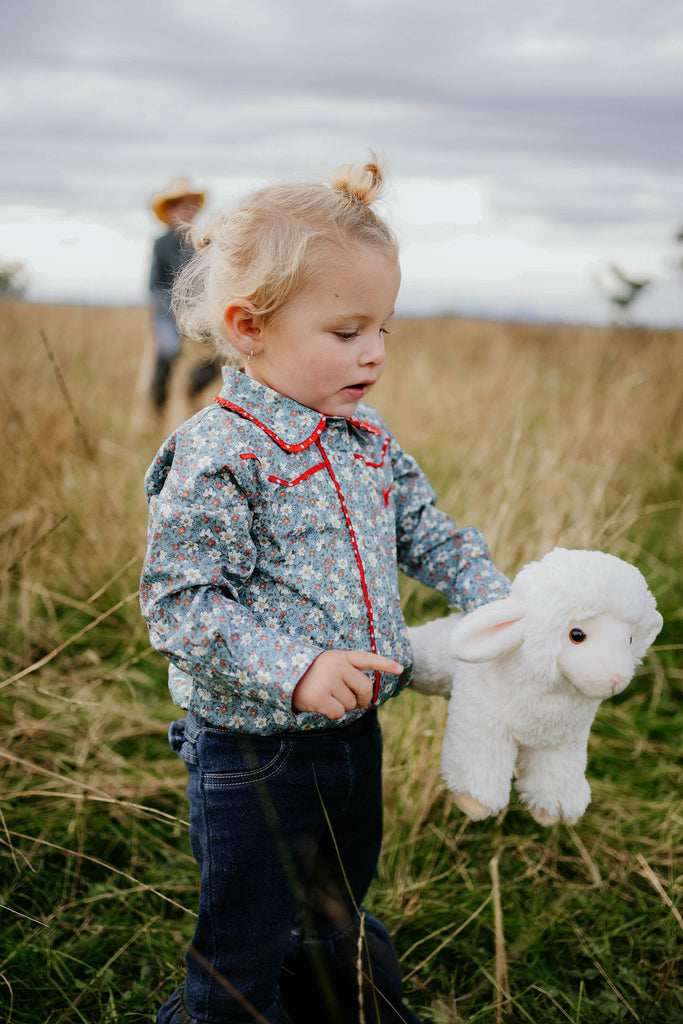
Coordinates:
679 239
629 289
13 283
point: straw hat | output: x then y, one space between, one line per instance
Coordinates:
180 188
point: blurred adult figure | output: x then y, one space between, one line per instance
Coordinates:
176 206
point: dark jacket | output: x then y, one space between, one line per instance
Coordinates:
169 255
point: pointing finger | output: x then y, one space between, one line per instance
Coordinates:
366 661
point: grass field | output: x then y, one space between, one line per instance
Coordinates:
539 435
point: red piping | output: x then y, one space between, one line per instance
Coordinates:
314 438
298 479
354 542
366 426
375 465
271 433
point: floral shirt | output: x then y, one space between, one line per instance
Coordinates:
276 533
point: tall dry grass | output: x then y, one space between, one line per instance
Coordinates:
544 435
539 435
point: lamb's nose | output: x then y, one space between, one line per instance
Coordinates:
618 683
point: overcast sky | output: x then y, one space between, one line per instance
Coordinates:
529 145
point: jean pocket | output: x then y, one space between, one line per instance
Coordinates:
230 759
183 741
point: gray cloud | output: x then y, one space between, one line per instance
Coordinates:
568 112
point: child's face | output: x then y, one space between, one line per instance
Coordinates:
326 347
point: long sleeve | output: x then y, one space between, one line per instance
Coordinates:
200 554
432 549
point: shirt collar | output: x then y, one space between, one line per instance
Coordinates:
293 426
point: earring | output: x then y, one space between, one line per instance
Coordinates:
250 356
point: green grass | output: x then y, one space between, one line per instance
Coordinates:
537 435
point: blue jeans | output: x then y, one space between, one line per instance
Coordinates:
286 830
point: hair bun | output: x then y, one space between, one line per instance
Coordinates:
363 185
198 237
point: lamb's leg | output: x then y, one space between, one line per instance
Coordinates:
476 765
552 784
471 807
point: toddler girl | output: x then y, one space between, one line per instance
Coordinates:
279 517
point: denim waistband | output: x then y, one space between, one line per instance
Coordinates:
194 724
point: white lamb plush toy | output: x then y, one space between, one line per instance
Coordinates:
526 675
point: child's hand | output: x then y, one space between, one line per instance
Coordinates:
335 684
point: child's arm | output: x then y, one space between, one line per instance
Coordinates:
199 555
432 549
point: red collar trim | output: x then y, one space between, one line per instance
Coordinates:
364 425
301 445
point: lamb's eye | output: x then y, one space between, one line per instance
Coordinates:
577 636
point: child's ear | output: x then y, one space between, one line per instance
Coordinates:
244 327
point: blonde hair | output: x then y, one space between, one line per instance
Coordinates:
270 246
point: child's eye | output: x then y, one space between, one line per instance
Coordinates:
346 335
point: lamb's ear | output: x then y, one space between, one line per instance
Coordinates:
489 631
646 632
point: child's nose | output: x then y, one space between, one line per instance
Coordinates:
373 350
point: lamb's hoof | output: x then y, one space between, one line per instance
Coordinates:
471 807
544 818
